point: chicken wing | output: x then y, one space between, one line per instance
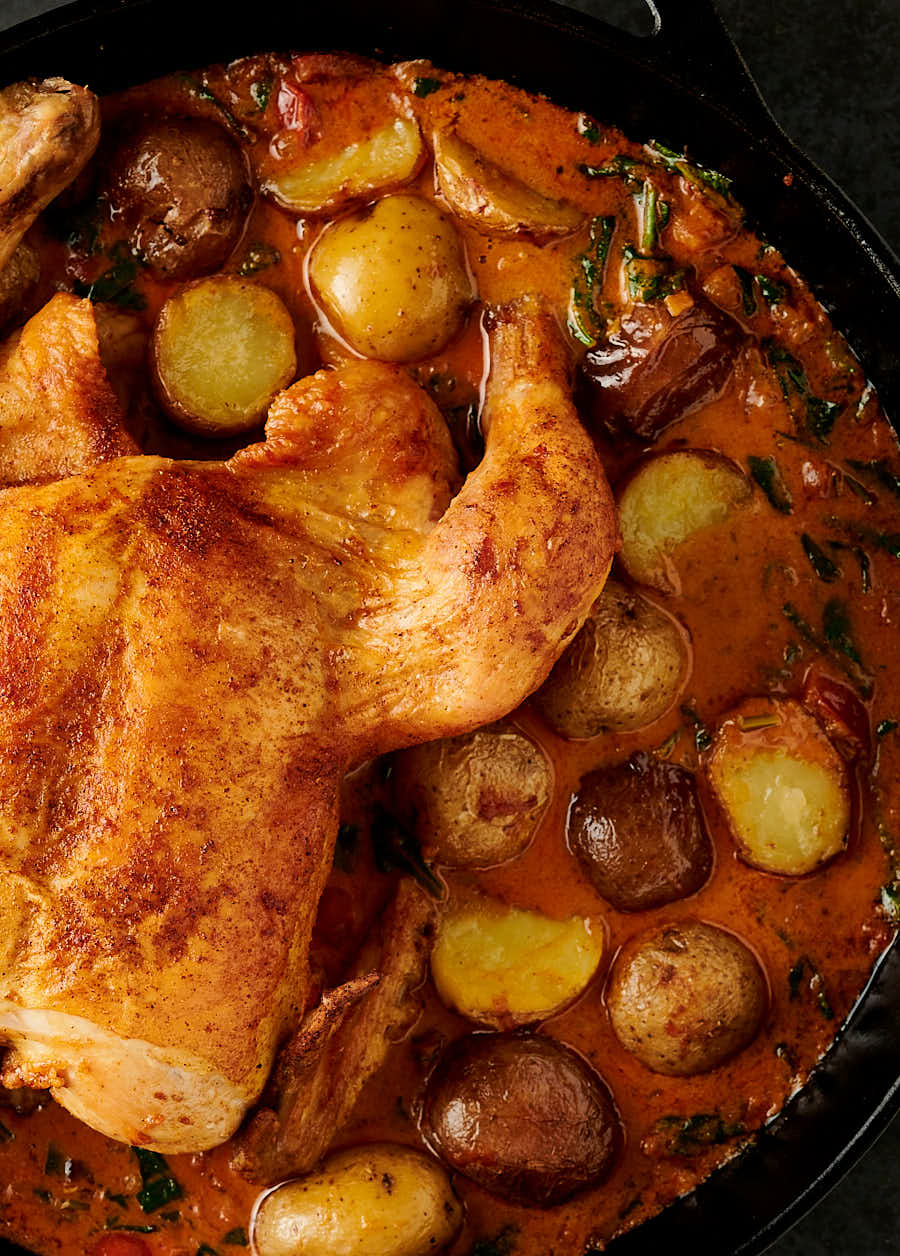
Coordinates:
192 655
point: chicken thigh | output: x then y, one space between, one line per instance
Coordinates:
192 655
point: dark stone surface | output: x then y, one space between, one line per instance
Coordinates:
829 71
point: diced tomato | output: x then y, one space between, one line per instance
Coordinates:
297 111
120 1245
839 711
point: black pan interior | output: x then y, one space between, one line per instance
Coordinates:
683 87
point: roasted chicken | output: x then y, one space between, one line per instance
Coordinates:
192 655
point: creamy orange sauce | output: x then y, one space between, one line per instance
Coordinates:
67 1188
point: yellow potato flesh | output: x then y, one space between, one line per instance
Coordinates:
392 279
788 815
384 160
502 966
378 1200
670 499
223 347
492 200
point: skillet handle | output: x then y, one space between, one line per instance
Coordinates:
691 42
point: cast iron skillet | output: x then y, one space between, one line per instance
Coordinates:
685 85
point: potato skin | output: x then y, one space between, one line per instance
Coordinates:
522 1115
377 1200
639 832
181 188
624 669
475 800
685 996
392 278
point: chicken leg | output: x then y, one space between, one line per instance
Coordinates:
192 655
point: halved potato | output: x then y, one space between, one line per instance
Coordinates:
670 498
503 966
783 786
222 348
382 161
493 201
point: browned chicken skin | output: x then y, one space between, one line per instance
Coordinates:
192 655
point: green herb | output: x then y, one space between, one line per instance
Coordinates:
795 976
702 737
258 257
665 748
651 281
345 847
114 286
835 620
205 1250
887 541
884 727
748 296
865 564
158 1193
425 86
821 564
113 1223
819 415
588 128
6 1134
880 470
500 1245
767 475
890 900
619 167
236 1237
171 1217
44 1195
859 489
56 1164
773 293
202 92
79 228
121 1200
783 1051
691 1135
653 216
261 90
585 323
691 171
815 985
838 631
395 847
150 1163
750 723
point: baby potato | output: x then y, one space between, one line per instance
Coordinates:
522 1115
181 188
782 785
670 498
685 996
222 348
624 669
377 1200
384 160
475 800
503 966
392 278
493 201
639 832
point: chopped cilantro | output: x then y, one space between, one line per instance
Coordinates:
883 727
824 567
236 1237
261 90
258 257
395 847
748 296
773 293
425 86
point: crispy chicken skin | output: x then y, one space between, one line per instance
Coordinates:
192 655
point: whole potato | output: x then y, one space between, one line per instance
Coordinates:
639 832
392 278
377 1200
624 669
181 189
475 800
522 1115
685 996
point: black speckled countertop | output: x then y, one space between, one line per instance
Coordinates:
830 72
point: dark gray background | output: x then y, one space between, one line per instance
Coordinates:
830 71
